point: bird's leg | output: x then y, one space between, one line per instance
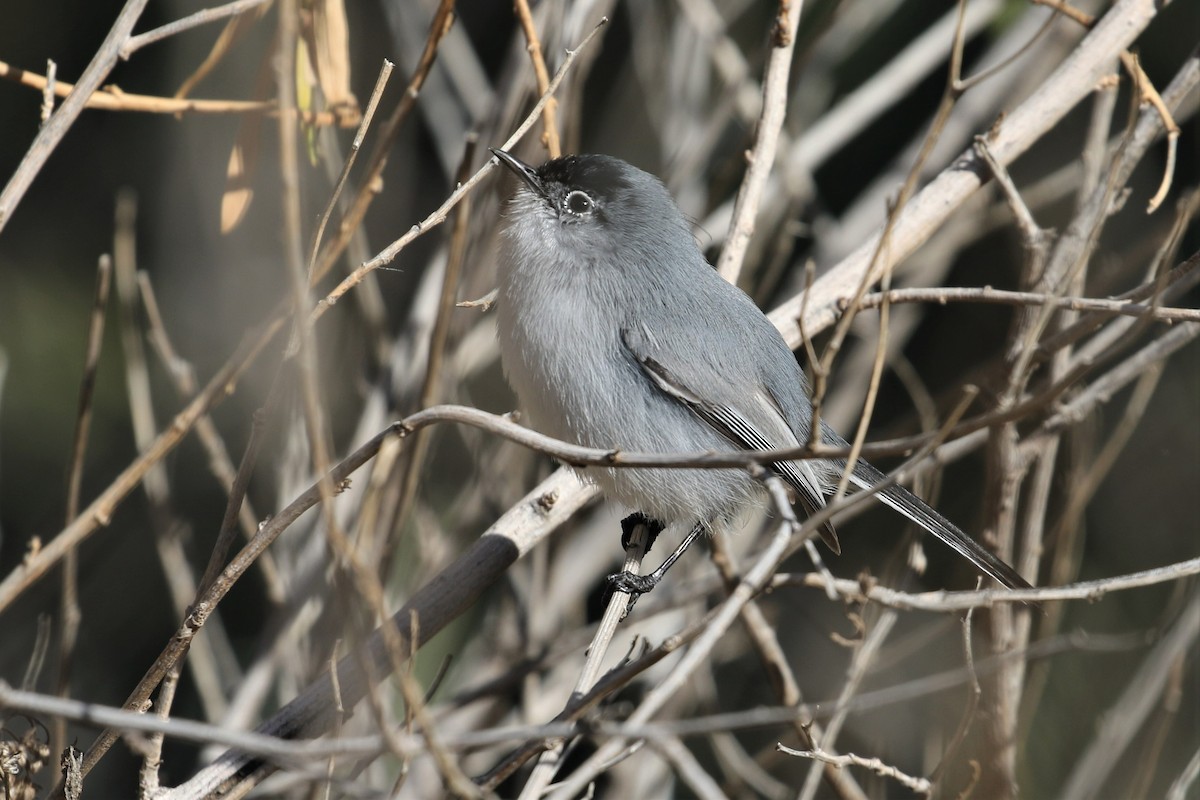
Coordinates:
637 585
653 529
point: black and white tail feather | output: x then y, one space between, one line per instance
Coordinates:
865 476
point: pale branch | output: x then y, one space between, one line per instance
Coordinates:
201 17
1015 133
918 785
942 601
761 158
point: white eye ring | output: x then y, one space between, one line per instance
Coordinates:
578 202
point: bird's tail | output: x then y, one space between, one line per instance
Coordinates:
921 513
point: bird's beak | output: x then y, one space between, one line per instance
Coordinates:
522 170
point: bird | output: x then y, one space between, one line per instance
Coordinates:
615 332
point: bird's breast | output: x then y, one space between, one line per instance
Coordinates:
561 351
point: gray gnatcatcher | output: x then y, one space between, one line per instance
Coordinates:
616 332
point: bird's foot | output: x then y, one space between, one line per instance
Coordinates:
653 529
633 585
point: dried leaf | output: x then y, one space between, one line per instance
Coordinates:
243 160
331 51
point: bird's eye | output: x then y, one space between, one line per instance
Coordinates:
579 203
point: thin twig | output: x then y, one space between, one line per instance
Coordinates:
775 662
1148 92
69 613
1007 470
219 462
943 295
917 785
974 692
48 91
953 602
864 656
214 664
691 773
882 261
111 98
385 72
201 17
152 758
431 383
761 159
534 48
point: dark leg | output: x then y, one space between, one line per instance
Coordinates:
653 529
637 585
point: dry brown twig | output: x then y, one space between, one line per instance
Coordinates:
866 651
766 642
534 48
219 461
385 72
412 466
69 612
112 98
879 268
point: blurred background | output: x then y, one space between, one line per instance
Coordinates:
671 86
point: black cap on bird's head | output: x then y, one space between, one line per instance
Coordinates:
592 187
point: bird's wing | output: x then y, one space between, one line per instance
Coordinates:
731 422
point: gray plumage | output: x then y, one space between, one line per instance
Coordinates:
615 332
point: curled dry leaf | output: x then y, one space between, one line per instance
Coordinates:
243 158
328 39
